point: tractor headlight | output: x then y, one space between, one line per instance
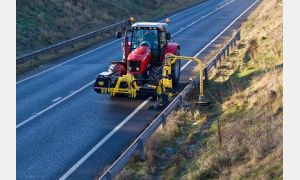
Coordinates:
101 83
134 66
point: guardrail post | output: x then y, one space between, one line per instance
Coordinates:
181 101
109 176
224 53
215 63
238 35
220 59
142 149
227 49
164 118
234 41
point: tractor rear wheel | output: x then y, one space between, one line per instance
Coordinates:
176 71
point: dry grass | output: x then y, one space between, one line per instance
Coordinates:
240 136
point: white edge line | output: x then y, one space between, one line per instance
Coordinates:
174 15
56 99
85 157
53 105
203 17
54 67
75 92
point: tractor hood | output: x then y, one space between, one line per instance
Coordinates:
139 53
138 60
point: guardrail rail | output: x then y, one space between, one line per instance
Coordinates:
138 144
69 42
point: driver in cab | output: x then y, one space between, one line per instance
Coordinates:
150 39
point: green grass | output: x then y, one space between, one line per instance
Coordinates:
246 72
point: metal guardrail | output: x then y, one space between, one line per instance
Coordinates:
89 35
138 144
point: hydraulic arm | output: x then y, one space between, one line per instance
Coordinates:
171 59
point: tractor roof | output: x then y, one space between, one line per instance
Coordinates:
150 24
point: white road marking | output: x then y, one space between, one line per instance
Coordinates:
100 143
56 99
53 105
54 67
174 15
73 92
203 17
74 58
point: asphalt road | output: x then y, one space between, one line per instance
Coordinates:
65 130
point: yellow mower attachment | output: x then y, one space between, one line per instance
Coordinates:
171 59
125 85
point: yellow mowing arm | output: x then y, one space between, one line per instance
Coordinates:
171 59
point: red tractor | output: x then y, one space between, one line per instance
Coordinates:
144 55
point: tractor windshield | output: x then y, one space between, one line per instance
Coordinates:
144 37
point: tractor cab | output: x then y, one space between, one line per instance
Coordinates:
152 35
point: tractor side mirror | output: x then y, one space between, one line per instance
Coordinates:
168 36
118 35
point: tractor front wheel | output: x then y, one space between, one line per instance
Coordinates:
118 69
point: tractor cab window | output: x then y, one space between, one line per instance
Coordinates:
163 40
144 37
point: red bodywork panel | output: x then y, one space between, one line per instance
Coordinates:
124 50
142 55
171 48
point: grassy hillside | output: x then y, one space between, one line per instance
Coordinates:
240 135
45 22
